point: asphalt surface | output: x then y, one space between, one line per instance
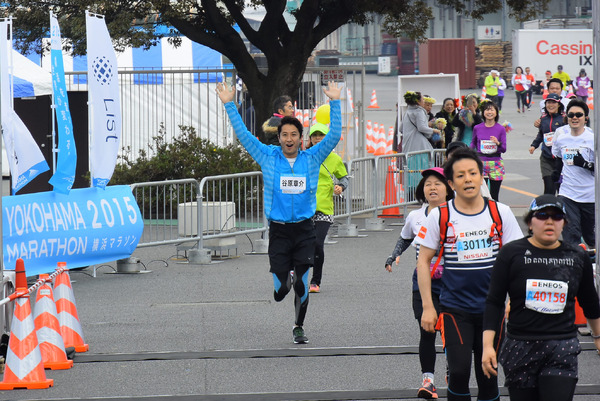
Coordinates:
180 331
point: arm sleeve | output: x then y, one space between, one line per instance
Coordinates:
475 139
495 301
575 83
587 295
512 81
501 139
324 148
510 227
255 148
401 246
422 125
538 138
343 182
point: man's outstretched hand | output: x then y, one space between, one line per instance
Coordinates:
333 90
225 93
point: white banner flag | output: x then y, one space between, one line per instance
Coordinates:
104 102
25 158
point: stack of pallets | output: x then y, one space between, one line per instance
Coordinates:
493 56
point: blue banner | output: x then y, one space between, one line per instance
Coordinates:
86 227
64 176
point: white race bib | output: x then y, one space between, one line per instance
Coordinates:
546 296
548 138
488 147
292 184
476 247
568 155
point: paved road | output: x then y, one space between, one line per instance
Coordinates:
213 332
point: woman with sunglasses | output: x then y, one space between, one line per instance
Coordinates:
573 151
542 276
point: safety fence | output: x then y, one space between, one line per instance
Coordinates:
224 206
230 205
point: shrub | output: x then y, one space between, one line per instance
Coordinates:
186 156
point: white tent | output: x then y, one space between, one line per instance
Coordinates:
29 78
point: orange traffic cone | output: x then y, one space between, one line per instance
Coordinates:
24 367
545 93
390 140
48 329
390 195
370 139
373 104
70 327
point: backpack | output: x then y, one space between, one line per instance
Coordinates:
492 207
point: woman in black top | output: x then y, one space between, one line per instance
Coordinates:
448 112
542 276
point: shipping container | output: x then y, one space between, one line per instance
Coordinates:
449 56
546 49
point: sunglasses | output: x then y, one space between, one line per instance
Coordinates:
578 115
545 216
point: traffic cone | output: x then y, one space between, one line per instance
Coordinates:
390 195
483 93
373 104
306 118
370 140
48 329
380 141
24 367
297 113
545 93
389 142
590 98
70 327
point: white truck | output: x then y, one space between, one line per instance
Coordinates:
545 49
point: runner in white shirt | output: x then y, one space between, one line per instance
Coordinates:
573 150
470 249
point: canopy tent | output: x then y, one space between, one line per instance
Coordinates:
29 79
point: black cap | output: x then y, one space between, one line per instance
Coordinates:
553 96
544 201
559 67
452 146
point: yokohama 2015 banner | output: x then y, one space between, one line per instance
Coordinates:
87 227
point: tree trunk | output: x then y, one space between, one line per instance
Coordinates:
264 89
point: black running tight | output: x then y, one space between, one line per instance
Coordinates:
283 285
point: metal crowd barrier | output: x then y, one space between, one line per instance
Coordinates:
224 206
167 208
229 205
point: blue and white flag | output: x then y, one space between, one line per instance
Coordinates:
64 176
104 102
24 156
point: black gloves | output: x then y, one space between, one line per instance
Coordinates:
579 161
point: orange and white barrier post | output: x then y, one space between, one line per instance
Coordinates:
370 140
48 329
590 98
24 367
389 143
70 327
373 104
483 93
306 118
